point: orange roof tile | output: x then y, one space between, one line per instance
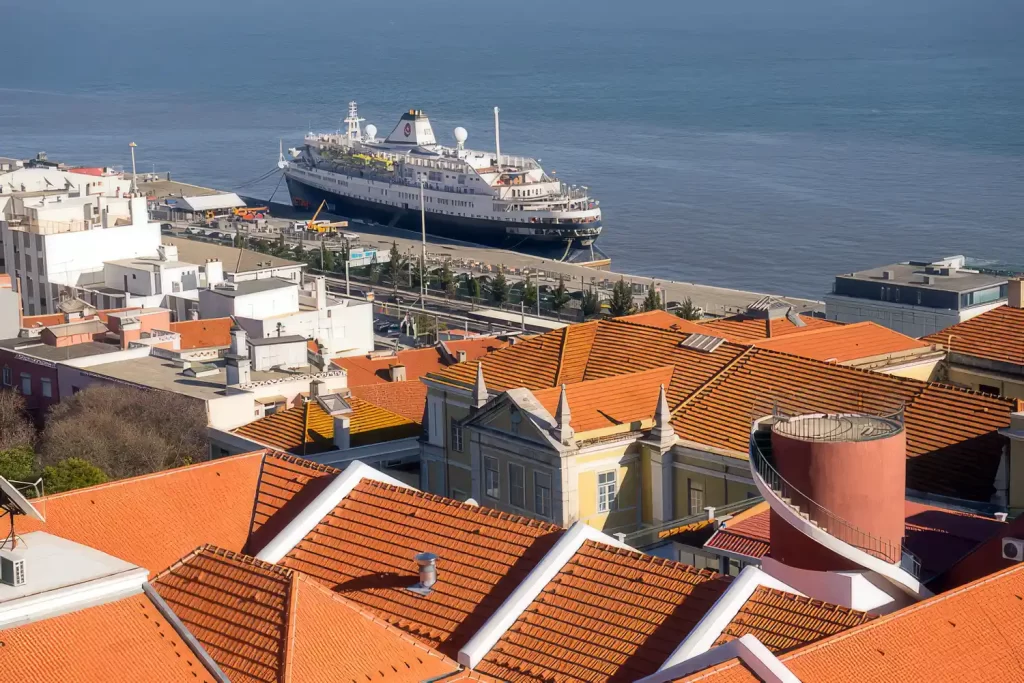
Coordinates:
201 334
153 520
996 335
746 534
611 401
264 623
744 328
418 362
609 614
408 399
45 320
307 429
665 321
363 550
783 621
714 395
126 640
729 671
843 343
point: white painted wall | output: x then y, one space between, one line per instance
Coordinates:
273 302
345 329
288 355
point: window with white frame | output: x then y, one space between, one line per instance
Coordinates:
46 386
456 435
695 493
606 489
542 494
26 384
492 485
517 485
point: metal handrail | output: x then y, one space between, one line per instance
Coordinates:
828 521
642 538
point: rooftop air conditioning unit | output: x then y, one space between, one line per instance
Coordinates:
1013 549
12 568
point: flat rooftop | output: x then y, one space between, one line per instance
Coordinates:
234 260
913 273
151 264
36 349
271 341
160 373
254 287
162 189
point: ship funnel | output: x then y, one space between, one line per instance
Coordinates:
413 129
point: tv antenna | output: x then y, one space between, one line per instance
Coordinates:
13 503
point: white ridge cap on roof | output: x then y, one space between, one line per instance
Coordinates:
312 514
748 649
527 591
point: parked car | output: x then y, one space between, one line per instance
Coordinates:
166 227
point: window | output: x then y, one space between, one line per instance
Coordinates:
26 384
606 491
989 389
456 435
542 494
47 387
515 419
7 376
516 485
491 484
695 491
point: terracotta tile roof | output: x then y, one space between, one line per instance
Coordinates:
952 441
744 328
172 512
609 614
307 429
418 362
953 444
43 320
783 621
610 401
126 640
730 671
408 399
996 335
363 550
201 334
938 536
686 528
844 343
665 321
264 623
974 633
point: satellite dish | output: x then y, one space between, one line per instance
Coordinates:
460 135
371 131
14 502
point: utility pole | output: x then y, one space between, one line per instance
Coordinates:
423 257
135 182
348 257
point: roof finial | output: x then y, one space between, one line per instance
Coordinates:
479 388
662 430
563 431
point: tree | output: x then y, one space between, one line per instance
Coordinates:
447 279
328 257
281 246
591 303
652 302
70 474
530 295
126 431
473 285
560 297
374 269
300 250
499 287
621 302
15 427
396 264
17 463
688 311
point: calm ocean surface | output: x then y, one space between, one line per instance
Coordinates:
762 145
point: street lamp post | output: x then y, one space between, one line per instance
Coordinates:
423 255
135 183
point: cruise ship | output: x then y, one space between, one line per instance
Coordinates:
481 197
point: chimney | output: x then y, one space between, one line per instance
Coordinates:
193 314
214 273
461 355
888 275
479 388
238 345
427 565
1015 293
563 431
314 389
237 369
397 373
710 510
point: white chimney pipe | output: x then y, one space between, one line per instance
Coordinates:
497 140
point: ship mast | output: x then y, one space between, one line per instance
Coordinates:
497 141
353 132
